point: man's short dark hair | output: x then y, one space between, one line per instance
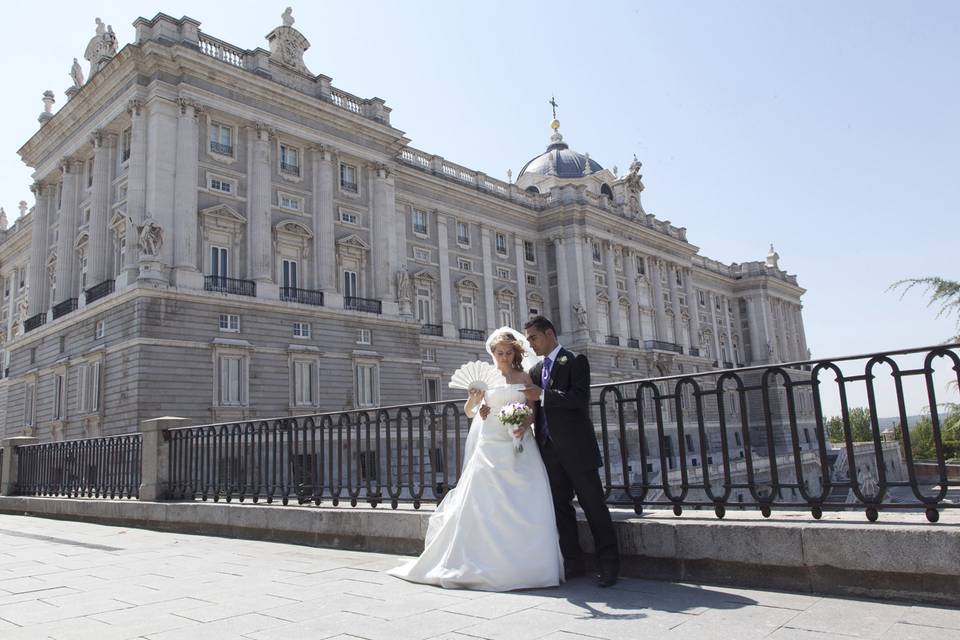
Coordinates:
541 324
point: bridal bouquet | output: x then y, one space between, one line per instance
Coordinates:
514 415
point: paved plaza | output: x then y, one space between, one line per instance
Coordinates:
73 580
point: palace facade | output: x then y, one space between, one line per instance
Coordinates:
220 233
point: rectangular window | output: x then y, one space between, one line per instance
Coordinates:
597 253
301 329
23 278
348 217
430 354
363 336
421 255
503 273
218 262
701 299
230 372
221 139
303 387
348 178
125 138
463 233
289 160
679 276
290 203
420 222
367 461
99 329
736 438
464 265
6 287
83 272
366 379
431 390
689 440
289 274
83 374
532 279
601 279
621 285
467 314
529 252
58 397
86 216
533 311
350 284
229 322
641 266
424 305
500 241
89 173
29 402
95 387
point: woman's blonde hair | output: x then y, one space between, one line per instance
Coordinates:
510 339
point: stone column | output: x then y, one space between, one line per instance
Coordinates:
630 269
381 227
67 232
523 308
186 227
98 245
489 303
725 308
659 310
324 240
567 323
161 178
693 308
588 292
672 271
155 466
447 298
770 346
738 330
780 319
136 188
801 333
612 293
39 248
758 349
8 472
712 301
259 212
12 302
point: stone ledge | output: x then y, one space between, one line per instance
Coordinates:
900 560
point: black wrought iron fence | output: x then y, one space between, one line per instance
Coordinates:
95 467
755 437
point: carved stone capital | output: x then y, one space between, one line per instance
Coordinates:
264 131
102 138
135 107
189 107
69 165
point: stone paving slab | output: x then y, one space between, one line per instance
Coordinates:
72 581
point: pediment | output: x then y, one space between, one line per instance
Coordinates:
467 283
506 292
224 211
423 274
81 240
353 241
293 226
119 217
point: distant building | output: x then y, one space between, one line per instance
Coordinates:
220 234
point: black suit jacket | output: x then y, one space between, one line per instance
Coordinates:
567 409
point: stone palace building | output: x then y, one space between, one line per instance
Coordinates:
220 233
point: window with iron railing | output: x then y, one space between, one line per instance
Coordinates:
289 160
221 139
348 178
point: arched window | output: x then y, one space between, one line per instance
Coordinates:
532 190
605 190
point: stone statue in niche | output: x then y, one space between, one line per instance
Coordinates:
287 17
404 292
150 235
23 309
76 74
581 313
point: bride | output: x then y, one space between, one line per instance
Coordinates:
496 530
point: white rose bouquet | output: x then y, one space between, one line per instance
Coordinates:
514 415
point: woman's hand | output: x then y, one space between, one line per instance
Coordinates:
484 412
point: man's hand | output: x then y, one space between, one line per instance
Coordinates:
532 392
484 412
519 431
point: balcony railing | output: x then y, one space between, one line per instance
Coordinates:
694 351
303 296
750 428
348 186
236 286
633 343
101 290
613 341
431 329
291 169
33 322
727 365
65 307
352 303
472 334
222 149
662 346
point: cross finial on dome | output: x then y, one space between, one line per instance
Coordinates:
555 124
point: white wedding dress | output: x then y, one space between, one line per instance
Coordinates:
496 530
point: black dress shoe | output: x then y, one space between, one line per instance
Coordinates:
607 576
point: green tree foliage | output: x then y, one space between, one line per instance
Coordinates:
859 426
946 293
921 435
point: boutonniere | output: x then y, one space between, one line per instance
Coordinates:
562 360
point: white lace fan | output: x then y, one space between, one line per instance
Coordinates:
477 375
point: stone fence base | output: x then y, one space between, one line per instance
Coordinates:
898 558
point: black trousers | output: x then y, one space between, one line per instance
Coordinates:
586 485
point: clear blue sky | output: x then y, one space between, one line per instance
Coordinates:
831 129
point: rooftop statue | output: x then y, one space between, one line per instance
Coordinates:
102 45
76 74
287 17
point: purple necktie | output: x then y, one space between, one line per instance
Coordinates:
544 384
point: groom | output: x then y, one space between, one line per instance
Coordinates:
569 448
